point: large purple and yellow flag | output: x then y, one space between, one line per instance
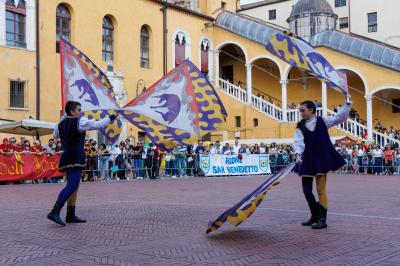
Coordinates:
299 53
84 82
178 109
248 205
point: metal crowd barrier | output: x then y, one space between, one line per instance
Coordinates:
103 169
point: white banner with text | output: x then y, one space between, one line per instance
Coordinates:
220 165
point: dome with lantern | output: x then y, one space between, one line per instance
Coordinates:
310 17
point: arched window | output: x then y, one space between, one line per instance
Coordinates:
144 47
255 122
108 39
205 48
63 25
15 23
180 42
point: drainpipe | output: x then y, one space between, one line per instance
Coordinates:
165 37
37 62
349 17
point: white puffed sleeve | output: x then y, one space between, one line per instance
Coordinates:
340 117
298 144
90 124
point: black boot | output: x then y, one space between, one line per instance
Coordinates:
54 215
71 217
314 215
321 224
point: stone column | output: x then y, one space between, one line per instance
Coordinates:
284 100
324 100
249 86
216 64
369 116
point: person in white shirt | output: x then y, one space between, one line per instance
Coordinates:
397 156
236 147
229 151
50 147
263 149
377 155
316 156
72 132
360 156
213 150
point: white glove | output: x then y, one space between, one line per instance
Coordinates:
349 101
298 158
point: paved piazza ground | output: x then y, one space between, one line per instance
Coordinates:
163 222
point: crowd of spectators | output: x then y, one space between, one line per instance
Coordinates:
10 145
391 132
142 160
127 161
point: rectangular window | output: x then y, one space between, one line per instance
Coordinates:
372 22
15 29
237 121
141 136
396 106
343 23
17 94
272 14
339 3
255 122
223 5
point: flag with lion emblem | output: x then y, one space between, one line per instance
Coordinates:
178 109
84 82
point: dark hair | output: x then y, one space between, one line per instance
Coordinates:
70 106
310 105
103 145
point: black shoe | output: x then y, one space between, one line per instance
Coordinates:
71 217
54 215
321 223
314 215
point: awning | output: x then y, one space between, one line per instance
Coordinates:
28 127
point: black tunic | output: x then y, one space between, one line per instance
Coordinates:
73 141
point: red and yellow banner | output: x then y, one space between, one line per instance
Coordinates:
17 167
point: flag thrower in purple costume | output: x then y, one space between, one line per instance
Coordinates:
247 206
178 109
299 53
84 82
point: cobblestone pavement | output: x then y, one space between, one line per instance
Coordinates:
162 222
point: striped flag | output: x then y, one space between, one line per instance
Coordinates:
247 206
299 53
